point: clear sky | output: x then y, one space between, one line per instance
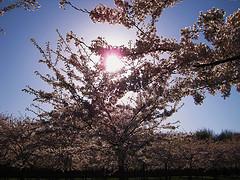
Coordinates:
19 59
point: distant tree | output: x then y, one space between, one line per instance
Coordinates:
163 153
225 135
204 134
26 143
17 145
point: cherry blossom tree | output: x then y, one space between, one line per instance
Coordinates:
25 4
31 5
89 101
208 64
9 6
158 73
105 118
213 66
17 142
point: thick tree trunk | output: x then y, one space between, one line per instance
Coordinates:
121 166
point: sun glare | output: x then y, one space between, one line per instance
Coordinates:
113 63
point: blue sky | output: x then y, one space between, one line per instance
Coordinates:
19 58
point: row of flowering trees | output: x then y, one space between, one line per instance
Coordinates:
29 144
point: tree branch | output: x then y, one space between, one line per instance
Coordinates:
215 63
78 9
160 48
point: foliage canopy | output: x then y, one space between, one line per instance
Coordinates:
87 101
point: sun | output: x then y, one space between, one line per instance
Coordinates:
113 63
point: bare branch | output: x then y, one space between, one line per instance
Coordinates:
218 62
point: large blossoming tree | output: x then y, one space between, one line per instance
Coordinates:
116 109
158 73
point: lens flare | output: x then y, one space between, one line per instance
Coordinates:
113 63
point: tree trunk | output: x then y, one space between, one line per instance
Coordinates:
121 166
190 167
166 170
167 174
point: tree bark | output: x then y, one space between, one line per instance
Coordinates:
121 166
